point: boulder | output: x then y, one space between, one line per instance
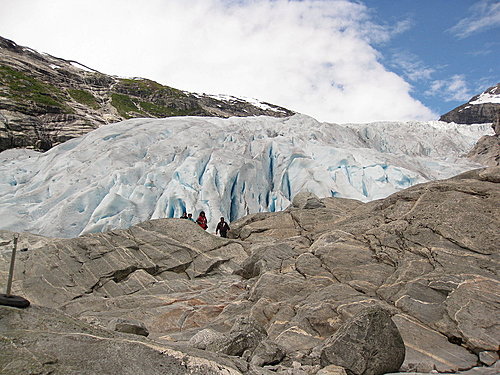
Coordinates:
246 334
488 358
267 257
367 344
267 353
265 227
206 338
307 201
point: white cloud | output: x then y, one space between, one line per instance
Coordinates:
452 89
412 66
402 26
485 14
312 56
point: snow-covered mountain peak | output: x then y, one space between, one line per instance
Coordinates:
482 108
142 169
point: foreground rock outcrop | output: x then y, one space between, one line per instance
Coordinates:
40 340
278 295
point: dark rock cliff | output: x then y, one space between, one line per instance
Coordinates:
476 111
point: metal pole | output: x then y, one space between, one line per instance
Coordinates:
11 270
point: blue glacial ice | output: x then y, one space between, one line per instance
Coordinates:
141 169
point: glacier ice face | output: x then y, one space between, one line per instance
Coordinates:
141 169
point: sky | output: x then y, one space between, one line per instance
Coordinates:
335 60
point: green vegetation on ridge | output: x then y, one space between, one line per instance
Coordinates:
148 87
84 97
123 104
150 99
24 88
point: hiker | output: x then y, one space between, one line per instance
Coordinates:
222 227
190 217
184 216
202 220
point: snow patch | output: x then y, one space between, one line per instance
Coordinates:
228 98
81 67
487 97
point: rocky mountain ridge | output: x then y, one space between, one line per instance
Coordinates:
482 108
45 100
324 287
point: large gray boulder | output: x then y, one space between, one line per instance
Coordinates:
206 339
267 353
246 334
367 344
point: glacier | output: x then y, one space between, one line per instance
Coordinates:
142 169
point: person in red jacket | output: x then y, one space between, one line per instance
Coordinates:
202 220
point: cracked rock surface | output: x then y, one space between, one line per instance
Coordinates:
274 296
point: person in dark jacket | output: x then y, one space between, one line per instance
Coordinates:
202 220
222 227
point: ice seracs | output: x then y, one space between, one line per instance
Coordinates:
142 169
